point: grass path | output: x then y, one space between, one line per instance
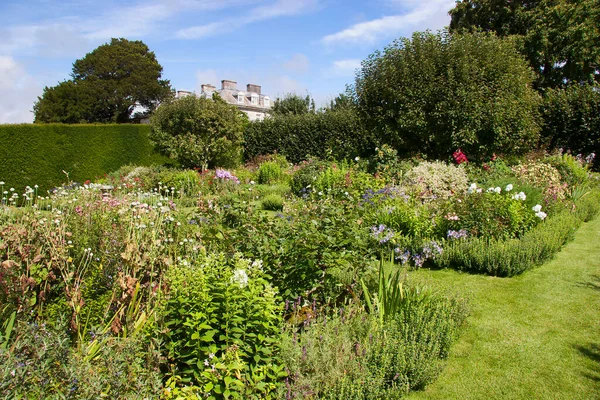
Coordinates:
534 336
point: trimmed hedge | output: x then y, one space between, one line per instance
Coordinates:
338 134
34 154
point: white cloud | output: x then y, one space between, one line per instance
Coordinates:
431 14
202 31
299 64
345 68
279 8
18 92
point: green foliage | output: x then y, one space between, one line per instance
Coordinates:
269 172
107 85
38 154
544 176
573 171
435 93
514 256
42 364
199 132
558 37
293 104
338 134
273 202
351 355
572 119
222 323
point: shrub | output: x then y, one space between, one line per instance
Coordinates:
435 93
273 202
514 256
572 170
42 364
338 134
491 215
572 119
350 354
305 177
544 176
199 132
222 326
269 172
431 180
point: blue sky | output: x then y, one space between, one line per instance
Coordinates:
301 46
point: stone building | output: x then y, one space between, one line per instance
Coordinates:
251 101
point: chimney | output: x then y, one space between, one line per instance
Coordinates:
225 84
208 88
253 88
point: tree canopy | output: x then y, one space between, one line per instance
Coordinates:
293 104
200 132
106 85
560 38
439 92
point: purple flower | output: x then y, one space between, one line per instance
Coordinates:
419 260
382 233
457 234
402 257
226 175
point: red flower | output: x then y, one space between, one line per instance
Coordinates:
459 157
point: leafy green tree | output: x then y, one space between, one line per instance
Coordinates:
106 85
439 92
293 104
572 119
200 132
559 37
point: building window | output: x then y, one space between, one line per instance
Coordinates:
254 99
267 101
240 98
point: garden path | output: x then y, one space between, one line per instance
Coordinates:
534 336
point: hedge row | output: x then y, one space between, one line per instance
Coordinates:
337 134
34 154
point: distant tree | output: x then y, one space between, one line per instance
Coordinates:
293 104
572 119
106 85
559 37
200 132
439 92
342 101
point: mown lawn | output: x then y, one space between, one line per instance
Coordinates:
534 336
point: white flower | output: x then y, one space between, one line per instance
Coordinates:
479 190
497 189
472 188
537 208
509 187
320 193
356 158
491 190
519 196
1 182
541 215
252 182
240 277
206 363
